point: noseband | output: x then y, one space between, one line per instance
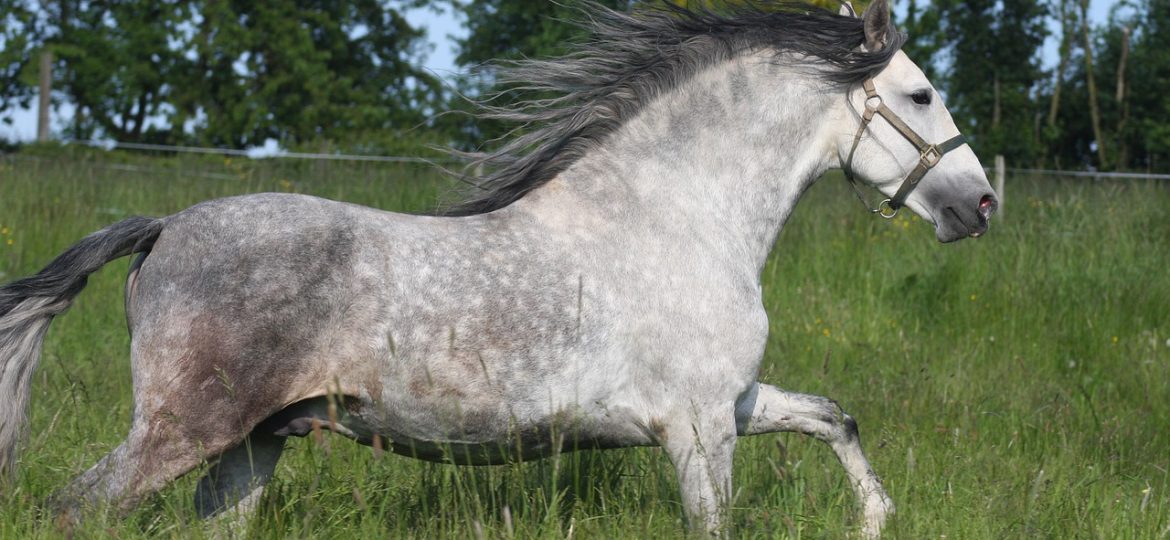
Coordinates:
928 154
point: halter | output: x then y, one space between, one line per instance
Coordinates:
928 154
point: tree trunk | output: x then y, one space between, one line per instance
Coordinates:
43 101
995 108
1094 112
1122 102
1067 36
1066 40
135 133
1054 105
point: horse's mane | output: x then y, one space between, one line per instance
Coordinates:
630 59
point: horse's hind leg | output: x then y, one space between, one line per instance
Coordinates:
231 489
767 409
174 430
150 458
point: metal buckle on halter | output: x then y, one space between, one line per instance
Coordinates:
886 210
930 156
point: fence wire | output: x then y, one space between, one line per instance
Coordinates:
262 154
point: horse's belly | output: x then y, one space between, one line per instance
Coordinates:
472 433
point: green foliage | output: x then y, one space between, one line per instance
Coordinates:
515 29
506 30
346 76
113 61
832 5
300 71
1011 387
233 73
1151 71
994 71
17 26
924 37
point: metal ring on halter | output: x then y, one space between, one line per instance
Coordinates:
886 210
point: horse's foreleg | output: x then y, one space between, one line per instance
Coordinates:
767 409
231 489
701 450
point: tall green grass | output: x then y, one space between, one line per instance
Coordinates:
1012 386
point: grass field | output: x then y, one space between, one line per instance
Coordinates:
1017 386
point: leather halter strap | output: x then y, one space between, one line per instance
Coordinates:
928 154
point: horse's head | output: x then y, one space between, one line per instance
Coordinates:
903 142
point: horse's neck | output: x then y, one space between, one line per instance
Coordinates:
722 160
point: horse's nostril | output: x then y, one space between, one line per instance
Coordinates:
987 205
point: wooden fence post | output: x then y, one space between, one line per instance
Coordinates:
1000 172
43 102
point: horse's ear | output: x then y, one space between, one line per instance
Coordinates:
846 9
877 24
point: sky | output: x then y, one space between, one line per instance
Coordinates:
443 27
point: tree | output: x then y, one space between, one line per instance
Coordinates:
923 38
515 29
1149 101
115 64
1113 43
1132 118
1067 19
995 67
18 45
832 5
304 71
1090 79
229 72
502 30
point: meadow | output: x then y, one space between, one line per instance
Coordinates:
1014 386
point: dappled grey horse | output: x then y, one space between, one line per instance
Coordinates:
601 289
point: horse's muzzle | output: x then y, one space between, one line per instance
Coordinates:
964 217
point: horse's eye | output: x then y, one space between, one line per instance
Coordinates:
921 97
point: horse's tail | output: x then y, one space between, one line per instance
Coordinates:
28 306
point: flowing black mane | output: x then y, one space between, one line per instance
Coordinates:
630 59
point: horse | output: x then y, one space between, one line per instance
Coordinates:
600 287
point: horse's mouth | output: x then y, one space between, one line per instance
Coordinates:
955 223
